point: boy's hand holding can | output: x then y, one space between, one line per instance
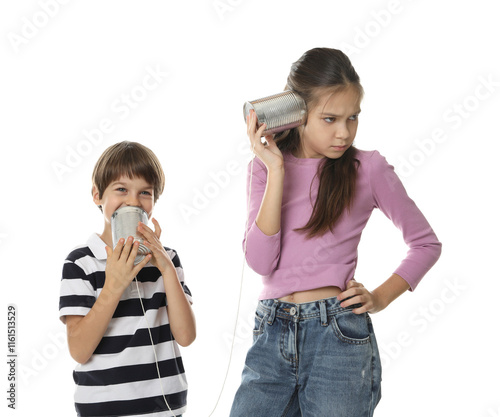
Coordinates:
120 268
160 257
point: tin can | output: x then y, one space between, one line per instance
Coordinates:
280 112
124 222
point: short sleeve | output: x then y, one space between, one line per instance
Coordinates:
392 199
77 292
180 273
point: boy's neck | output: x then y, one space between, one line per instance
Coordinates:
107 237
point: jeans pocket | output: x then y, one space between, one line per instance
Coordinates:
351 328
260 320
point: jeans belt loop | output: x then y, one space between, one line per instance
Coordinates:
272 313
322 310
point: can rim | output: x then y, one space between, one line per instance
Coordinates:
126 209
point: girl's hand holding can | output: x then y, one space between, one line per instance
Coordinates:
270 155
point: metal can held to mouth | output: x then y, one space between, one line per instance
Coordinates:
124 222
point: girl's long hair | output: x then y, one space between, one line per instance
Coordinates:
320 70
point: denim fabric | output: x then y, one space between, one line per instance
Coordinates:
310 360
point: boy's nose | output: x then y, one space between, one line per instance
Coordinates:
132 201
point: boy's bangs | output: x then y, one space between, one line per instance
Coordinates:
129 159
132 167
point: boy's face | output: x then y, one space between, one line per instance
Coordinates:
125 191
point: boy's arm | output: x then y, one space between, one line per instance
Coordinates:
85 332
180 313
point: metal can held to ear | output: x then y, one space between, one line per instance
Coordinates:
280 112
124 222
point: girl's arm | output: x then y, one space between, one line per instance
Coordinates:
424 248
269 216
266 174
376 300
391 198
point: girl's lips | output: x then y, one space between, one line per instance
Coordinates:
339 148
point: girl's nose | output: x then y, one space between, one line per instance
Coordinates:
342 132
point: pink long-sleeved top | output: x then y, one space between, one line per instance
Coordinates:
289 262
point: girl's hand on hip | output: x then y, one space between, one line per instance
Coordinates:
371 303
269 154
160 257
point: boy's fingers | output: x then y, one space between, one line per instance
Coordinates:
116 251
150 246
144 229
141 264
157 227
133 252
127 248
147 232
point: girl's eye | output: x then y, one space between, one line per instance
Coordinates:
146 193
354 117
329 119
121 189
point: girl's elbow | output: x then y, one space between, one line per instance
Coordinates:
262 269
438 248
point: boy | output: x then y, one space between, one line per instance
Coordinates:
108 333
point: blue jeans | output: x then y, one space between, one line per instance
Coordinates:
312 360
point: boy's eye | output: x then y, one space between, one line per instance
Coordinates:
354 117
121 189
146 193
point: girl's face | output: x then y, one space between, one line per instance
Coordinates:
331 125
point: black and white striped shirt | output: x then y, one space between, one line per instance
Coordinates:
121 379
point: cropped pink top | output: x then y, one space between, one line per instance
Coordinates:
289 262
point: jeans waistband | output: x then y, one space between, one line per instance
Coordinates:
290 311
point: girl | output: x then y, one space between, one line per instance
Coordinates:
312 193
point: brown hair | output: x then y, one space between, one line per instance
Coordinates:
318 71
131 159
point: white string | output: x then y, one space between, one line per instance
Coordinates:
153 346
241 286
237 310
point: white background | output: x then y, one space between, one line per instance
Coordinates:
423 64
